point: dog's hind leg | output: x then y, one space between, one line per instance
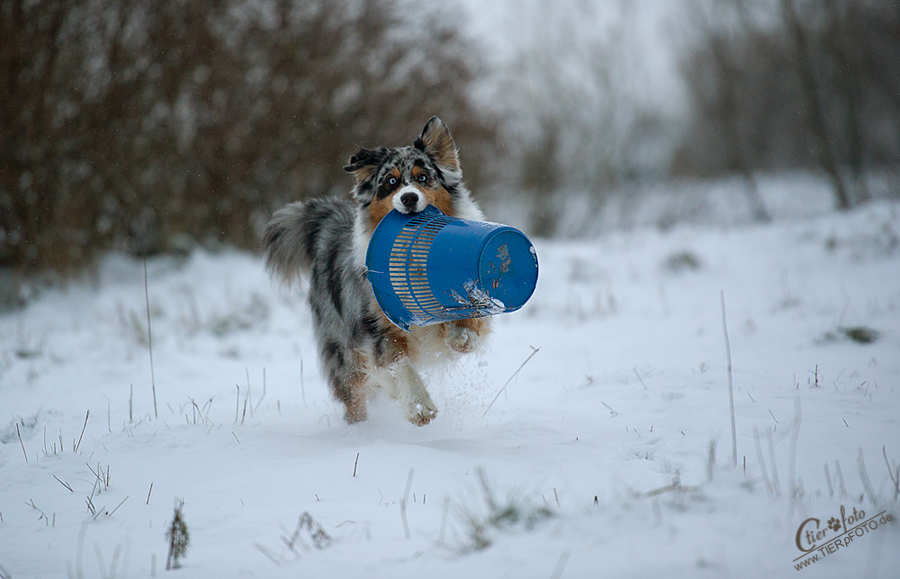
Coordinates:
347 378
352 390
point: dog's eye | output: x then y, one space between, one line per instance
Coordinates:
423 178
392 181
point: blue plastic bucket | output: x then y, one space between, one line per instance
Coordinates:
429 268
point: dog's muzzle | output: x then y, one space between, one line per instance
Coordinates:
409 200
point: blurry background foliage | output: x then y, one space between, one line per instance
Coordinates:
129 122
148 125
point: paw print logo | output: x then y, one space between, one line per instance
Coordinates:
834 524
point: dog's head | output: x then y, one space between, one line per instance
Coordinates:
409 179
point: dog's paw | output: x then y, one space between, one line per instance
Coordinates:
421 414
462 340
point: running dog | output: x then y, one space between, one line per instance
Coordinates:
326 239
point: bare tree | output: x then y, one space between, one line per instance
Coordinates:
812 101
719 39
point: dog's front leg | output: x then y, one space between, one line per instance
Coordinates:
409 388
466 336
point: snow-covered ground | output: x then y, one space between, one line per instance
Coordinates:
608 454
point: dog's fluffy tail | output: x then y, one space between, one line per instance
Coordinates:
291 237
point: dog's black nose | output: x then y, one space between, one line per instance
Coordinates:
409 200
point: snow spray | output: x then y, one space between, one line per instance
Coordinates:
429 268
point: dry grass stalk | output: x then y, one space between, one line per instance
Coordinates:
730 385
150 340
514 374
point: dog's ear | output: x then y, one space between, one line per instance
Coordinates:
364 163
437 143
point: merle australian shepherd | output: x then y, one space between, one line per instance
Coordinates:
327 239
